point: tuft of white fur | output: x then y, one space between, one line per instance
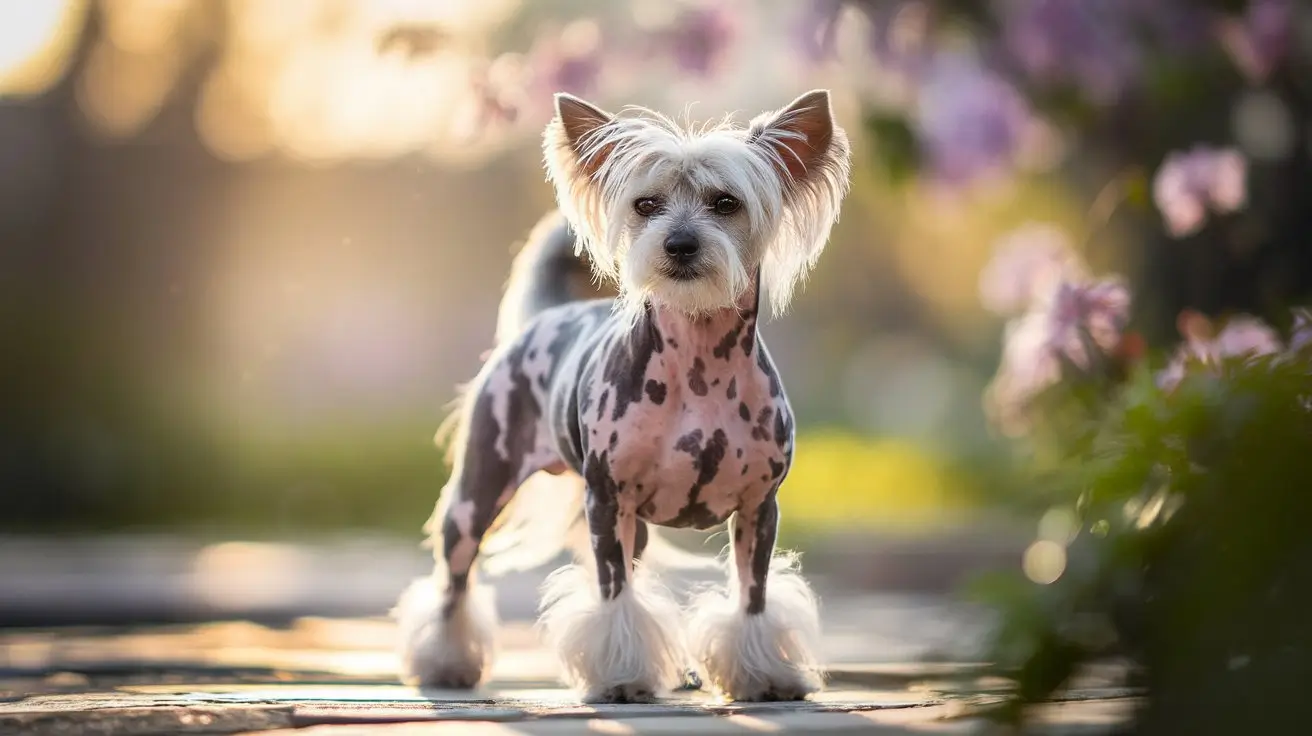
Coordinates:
544 518
599 174
765 656
630 648
437 651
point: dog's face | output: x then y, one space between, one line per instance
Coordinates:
685 219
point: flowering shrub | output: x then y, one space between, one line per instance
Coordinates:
1177 537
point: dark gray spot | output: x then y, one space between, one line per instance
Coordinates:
744 412
761 432
740 452
724 349
656 391
782 428
777 469
626 363
767 526
697 377
767 367
601 505
732 391
601 403
706 459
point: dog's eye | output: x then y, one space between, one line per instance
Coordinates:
646 206
726 205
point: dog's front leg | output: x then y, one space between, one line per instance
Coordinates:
758 642
614 628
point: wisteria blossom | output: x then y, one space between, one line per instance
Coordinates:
1188 184
570 61
970 122
1025 262
1087 44
700 37
1073 327
1259 41
1242 335
816 29
1300 335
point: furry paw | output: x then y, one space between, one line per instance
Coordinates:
445 649
769 656
626 650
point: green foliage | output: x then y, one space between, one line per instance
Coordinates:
1193 555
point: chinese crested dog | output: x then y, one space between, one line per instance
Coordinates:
593 419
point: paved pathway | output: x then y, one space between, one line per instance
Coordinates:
332 677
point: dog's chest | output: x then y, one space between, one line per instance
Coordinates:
709 433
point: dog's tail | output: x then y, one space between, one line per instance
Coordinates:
545 517
547 272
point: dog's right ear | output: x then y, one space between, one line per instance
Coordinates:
578 128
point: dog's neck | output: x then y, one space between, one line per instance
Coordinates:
726 334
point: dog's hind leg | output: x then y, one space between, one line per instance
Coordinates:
447 621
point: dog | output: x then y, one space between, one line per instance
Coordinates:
660 407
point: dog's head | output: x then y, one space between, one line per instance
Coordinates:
685 218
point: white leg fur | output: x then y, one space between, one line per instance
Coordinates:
765 656
623 650
445 652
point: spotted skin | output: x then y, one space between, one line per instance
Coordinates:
670 420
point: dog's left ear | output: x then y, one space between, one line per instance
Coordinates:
799 137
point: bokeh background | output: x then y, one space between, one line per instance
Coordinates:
249 247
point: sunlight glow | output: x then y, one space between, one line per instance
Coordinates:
36 37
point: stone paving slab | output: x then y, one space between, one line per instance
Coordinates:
334 677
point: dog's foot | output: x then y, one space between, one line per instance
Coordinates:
628 649
455 677
765 656
785 690
631 693
445 647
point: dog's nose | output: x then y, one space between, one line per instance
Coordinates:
682 246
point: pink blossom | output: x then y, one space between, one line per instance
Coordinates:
1241 336
1026 261
1189 184
1057 333
1300 335
1098 309
1259 41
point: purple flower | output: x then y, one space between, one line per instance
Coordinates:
1189 184
570 61
1300 335
1025 262
1259 41
699 38
1084 312
1088 44
817 29
1063 330
970 122
1241 336
899 34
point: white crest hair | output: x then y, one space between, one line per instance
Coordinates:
789 168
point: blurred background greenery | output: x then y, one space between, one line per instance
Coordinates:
248 248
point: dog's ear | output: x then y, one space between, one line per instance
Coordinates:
578 126
798 138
